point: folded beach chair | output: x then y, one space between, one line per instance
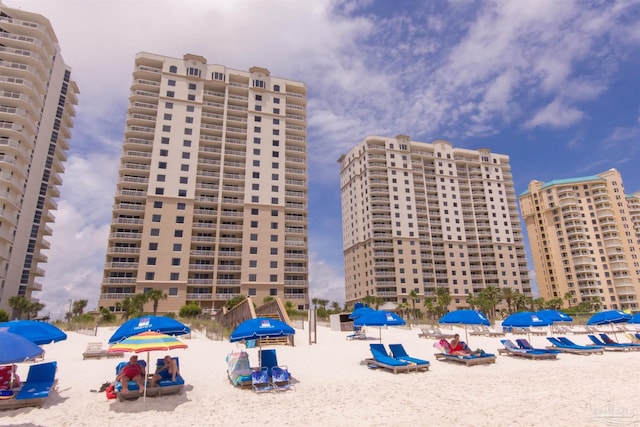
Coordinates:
239 369
382 360
609 347
166 385
524 344
510 349
632 337
35 390
281 378
260 381
398 352
571 347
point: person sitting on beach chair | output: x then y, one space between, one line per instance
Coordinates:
460 348
132 371
167 371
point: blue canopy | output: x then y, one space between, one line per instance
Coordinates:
465 317
359 311
635 318
554 316
162 324
525 319
36 332
609 316
261 327
378 318
16 349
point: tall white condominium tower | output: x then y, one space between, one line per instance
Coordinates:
585 240
36 117
211 199
419 216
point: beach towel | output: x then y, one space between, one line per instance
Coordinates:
238 367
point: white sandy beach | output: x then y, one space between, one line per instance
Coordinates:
335 389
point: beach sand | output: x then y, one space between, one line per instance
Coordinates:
334 387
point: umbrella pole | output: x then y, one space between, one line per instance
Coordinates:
466 335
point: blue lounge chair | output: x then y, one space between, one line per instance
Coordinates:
260 381
607 340
35 390
609 347
358 334
510 349
165 385
382 360
134 391
570 347
524 344
398 352
268 359
467 360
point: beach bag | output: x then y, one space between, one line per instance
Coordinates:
111 392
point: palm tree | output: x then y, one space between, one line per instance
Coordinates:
414 296
492 296
443 299
508 295
472 301
335 307
569 297
155 295
79 306
20 305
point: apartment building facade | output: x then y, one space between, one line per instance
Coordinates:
420 216
211 198
584 235
37 98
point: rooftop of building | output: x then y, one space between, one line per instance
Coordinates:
567 181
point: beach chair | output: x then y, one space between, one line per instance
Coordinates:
94 350
510 349
8 377
35 390
260 381
166 385
572 348
524 344
134 391
281 378
469 360
358 333
239 369
382 360
633 337
607 340
609 347
398 352
268 359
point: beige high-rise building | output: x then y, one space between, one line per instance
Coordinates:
37 98
211 198
585 239
418 216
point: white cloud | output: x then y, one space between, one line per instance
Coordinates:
555 114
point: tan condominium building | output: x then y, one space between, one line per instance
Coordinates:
420 216
585 239
37 98
211 198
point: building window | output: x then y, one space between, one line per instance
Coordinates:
167 116
184 180
166 128
179 220
178 233
186 143
252 277
253 237
253 263
159 191
164 140
191 97
149 275
157 204
182 193
156 218
162 165
171 94
254 224
217 76
254 211
177 247
258 83
252 292
154 232
191 71
276 88
273 278
174 276
173 69
255 199
164 153
151 260
171 82
253 250
153 246
173 292
168 105
273 292
175 261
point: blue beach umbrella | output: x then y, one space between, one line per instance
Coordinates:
554 316
162 324
635 318
360 311
609 316
378 318
261 327
36 332
16 349
525 319
465 317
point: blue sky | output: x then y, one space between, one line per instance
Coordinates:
553 84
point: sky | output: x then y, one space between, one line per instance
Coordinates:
553 84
